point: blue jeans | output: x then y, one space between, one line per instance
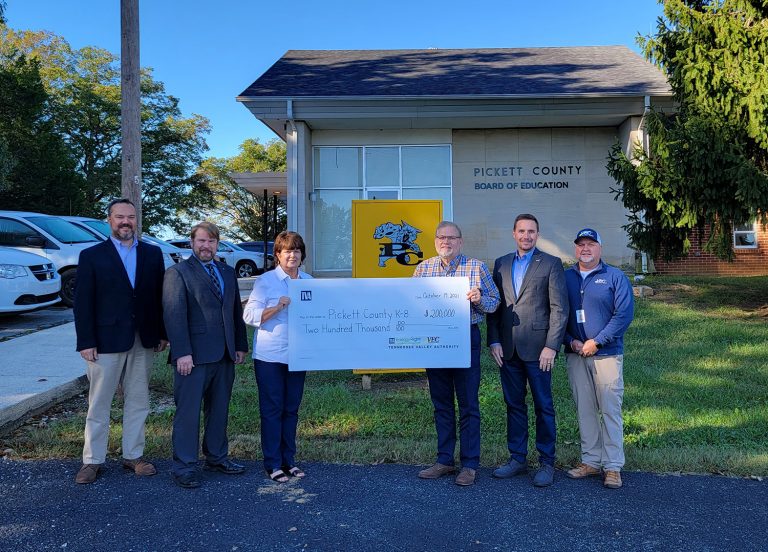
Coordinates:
280 393
465 383
515 374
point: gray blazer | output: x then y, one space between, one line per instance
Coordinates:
197 322
537 317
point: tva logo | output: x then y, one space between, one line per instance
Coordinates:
402 247
306 295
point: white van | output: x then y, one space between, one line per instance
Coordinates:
51 237
27 282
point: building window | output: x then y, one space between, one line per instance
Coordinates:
341 174
745 236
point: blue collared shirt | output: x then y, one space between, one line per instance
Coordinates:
215 271
128 256
519 266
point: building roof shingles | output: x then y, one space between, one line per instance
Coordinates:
534 72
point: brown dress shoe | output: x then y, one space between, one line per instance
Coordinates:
466 477
139 466
612 479
581 471
436 471
87 474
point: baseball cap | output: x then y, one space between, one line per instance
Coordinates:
588 233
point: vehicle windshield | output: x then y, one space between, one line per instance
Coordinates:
62 230
87 229
99 225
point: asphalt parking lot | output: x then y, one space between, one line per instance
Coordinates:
21 324
377 508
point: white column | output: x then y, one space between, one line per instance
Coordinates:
299 152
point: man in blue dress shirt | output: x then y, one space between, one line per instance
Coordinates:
525 334
119 324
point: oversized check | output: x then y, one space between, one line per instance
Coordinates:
346 323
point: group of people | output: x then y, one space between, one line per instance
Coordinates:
533 307
127 307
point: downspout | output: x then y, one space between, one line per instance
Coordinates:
293 168
646 150
641 126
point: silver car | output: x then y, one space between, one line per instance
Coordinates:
245 263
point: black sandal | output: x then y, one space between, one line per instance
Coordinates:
295 472
278 476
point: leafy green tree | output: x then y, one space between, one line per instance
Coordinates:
85 89
36 166
707 164
237 210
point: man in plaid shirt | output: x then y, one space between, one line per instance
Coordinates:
484 298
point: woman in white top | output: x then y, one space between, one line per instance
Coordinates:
280 391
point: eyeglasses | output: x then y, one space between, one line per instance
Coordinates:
447 238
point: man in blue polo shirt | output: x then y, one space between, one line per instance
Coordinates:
601 309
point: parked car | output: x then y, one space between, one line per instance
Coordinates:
245 263
258 247
28 282
49 236
171 254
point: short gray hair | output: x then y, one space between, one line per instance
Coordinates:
445 224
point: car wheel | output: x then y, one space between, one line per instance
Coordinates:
246 269
68 281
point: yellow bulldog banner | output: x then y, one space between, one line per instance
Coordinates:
390 237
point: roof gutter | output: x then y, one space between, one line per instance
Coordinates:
657 92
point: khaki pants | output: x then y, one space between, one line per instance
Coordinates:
132 367
597 383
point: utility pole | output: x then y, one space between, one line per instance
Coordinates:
130 87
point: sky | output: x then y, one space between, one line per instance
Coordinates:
207 52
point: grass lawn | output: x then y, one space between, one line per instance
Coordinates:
696 397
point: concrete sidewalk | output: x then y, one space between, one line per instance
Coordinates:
37 371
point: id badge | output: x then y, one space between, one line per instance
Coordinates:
580 316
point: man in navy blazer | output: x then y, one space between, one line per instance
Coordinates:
525 334
119 323
204 319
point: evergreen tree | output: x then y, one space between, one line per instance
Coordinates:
707 163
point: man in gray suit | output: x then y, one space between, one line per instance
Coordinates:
524 335
204 321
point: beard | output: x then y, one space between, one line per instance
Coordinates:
124 232
204 255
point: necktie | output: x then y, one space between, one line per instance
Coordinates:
214 280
